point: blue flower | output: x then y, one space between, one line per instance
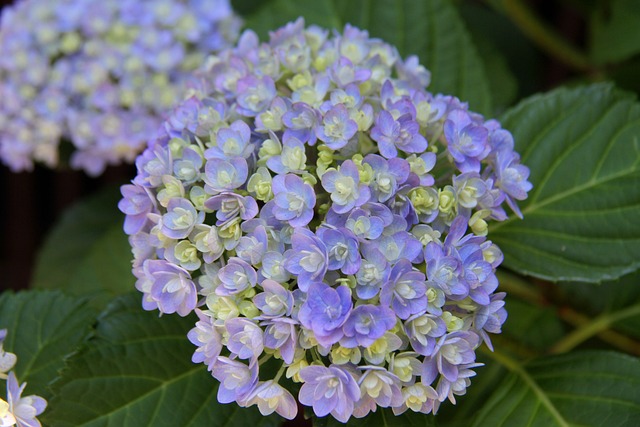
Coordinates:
338 128
366 324
405 291
308 258
466 141
235 277
331 390
180 218
345 188
401 134
325 311
293 200
225 175
342 247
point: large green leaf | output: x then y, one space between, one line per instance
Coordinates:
43 328
576 389
613 305
431 29
87 252
381 418
580 220
614 31
138 372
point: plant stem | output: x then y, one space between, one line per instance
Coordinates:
599 326
545 36
520 288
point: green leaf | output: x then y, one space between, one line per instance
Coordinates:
614 31
431 29
575 389
617 303
381 418
580 220
138 372
43 328
87 253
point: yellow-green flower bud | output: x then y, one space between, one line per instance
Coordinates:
198 196
293 371
70 42
477 223
309 179
341 355
259 184
187 253
248 309
223 308
454 323
177 145
424 199
269 148
172 188
231 229
300 80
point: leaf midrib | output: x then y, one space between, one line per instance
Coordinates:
567 193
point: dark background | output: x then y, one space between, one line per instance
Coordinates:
34 201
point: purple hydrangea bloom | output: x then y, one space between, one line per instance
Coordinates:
337 127
345 188
451 351
237 380
172 290
373 273
231 142
325 311
255 94
300 122
180 218
24 409
272 397
342 247
308 259
388 176
361 249
275 301
225 175
281 334
467 141
401 134
235 277
365 324
136 204
245 338
100 77
405 291
331 390
379 388
208 340
293 200
228 205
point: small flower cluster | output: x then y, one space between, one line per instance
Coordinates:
311 202
16 410
100 74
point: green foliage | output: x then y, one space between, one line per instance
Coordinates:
431 29
128 367
137 371
43 328
87 252
614 31
584 388
583 148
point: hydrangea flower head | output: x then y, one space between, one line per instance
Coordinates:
338 212
17 410
100 75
